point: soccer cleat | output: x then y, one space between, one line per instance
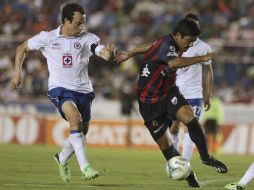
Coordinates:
89 173
215 164
64 169
234 186
192 180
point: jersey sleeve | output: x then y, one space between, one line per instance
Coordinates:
207 50
167 53
93 43
39 41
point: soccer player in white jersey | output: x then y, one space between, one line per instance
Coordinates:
67 50
189 81
247 177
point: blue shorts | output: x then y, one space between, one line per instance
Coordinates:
196 105
83 101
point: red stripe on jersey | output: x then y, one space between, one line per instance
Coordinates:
148 86
155 45
155 57
156 98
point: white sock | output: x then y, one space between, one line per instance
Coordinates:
78 143
66 152
188 147
248 176
174 139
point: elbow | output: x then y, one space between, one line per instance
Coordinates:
22 48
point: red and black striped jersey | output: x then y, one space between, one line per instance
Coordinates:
155 77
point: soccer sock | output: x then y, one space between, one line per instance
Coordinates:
174 139
198 137
188 147
77 140
248 176
170 152
66 152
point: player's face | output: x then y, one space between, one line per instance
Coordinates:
184 43
77 24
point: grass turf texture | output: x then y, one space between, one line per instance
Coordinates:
33 167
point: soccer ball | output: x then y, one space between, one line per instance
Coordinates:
178 168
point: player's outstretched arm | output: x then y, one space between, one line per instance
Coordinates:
109 52
19 58
187 61
125 55
208 84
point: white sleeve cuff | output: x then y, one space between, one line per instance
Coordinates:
98 49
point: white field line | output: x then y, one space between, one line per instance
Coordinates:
202 183
206 182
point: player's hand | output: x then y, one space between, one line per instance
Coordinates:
113 50
210 56
16 82
122 56
207 103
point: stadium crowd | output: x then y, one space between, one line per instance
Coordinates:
227 25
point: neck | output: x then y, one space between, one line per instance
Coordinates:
64 31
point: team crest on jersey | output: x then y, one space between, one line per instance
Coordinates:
67 61
174 100
77 45
172 48
172 52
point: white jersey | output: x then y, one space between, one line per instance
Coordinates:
67 58
189 79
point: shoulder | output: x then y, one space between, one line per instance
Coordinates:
201 44
47 34
88 35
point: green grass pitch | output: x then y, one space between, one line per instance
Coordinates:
33 167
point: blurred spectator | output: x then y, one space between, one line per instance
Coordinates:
213 119
228 24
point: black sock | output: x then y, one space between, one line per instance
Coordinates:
170 152
198 137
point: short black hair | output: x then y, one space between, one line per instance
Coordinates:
187 27
192 16
69 9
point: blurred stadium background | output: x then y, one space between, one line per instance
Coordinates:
28 117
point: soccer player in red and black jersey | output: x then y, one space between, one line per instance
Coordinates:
160 101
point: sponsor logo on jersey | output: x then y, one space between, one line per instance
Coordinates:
174 100
159 129
55 46
67 61
77 45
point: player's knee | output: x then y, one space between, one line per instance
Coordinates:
75 119
185 115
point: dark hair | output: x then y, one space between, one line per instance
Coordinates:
192 16
187 27
69 9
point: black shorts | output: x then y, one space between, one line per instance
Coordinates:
175 101
169 105
158 126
